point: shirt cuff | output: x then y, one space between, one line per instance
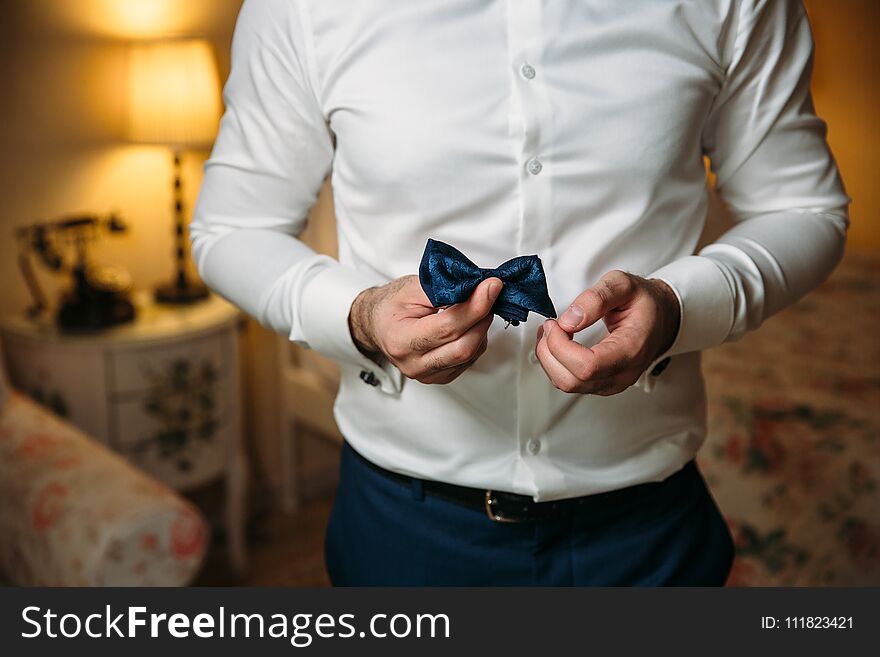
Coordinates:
322 323
706 303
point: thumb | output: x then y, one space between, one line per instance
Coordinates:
613 290
483 297
479 304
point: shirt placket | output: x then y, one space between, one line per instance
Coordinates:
530 133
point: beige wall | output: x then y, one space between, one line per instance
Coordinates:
62 66
846 89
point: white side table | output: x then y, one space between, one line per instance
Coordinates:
164 391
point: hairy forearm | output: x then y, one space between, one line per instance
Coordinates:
363 313
669 313
360 322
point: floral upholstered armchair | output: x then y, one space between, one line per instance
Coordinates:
73 513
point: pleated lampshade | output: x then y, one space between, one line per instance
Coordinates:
173 93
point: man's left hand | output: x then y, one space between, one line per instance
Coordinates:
642 317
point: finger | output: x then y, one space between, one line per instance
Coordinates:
614 289
442 328
557 373
451 373
562 378
444 376
605 360
460 351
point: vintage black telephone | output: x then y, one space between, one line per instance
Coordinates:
99 296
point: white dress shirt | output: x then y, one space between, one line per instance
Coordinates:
571 129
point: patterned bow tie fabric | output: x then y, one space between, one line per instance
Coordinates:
448 276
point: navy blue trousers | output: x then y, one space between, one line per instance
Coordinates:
386 533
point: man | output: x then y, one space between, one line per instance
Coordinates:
553 452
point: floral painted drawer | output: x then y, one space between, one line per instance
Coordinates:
163 391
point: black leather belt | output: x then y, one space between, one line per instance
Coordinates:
501 506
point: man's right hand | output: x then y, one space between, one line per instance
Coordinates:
398 322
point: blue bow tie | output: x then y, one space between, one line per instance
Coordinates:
448 277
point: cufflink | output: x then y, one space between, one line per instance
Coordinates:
659 367
369 378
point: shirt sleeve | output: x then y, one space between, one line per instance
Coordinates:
776 174
272 153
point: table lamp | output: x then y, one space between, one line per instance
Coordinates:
174 100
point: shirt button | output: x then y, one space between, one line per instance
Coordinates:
534 446
534 166
527 71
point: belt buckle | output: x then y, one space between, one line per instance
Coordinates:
490 503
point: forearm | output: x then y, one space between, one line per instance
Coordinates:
362 315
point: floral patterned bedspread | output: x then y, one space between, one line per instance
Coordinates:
793 453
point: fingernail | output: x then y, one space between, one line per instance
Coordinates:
494 290
572 316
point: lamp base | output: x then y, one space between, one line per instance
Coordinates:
175 293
